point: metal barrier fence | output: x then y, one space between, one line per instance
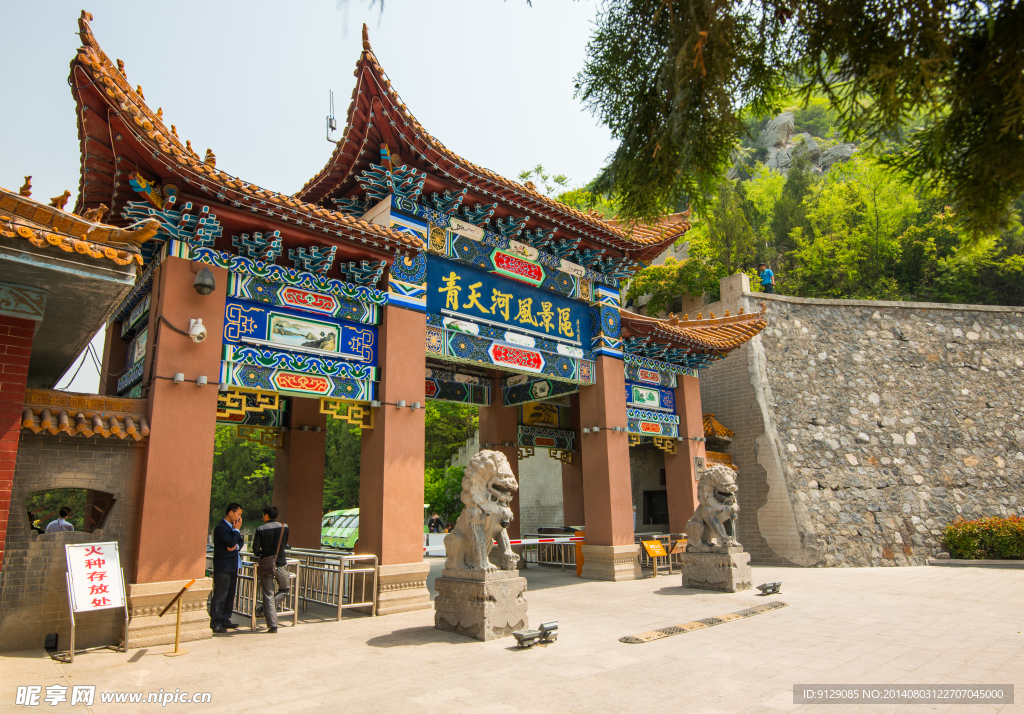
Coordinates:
560 554
332 578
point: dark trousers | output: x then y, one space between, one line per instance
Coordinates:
223 598
770 289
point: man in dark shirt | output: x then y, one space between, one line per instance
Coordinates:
271 538
227 541
435 523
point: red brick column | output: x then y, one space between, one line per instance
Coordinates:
391 466
15 349
572 475
610 552
299 474
680 477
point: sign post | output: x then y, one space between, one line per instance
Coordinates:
177 625
95 582
655 550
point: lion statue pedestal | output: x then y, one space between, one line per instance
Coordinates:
475 597
714 559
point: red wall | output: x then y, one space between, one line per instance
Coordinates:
15 348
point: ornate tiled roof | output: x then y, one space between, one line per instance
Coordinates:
106 179
44 226
85 415
712 427
378 115
717 335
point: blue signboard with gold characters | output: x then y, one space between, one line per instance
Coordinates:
280 328
459 291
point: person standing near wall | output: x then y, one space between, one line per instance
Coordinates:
61 523
767 279
227 542
268 544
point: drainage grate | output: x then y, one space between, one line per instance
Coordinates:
700 624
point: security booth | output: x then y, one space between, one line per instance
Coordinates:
400 272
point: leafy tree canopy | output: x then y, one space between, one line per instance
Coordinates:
677 82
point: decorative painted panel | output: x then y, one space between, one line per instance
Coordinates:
407 282
256 289
298 362
449 386
544 438
278 274
649 423
649 375
657 366
530 390
293 330
249 376
459 346
647 396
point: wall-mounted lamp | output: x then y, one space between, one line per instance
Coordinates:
417 405
204 283
201 380
178 377
304 428
223 387
400 403
375 403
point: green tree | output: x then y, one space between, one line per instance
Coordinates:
664 283
674 79
243 472
442 489
447 427
341 465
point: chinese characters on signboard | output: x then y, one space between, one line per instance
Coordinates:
95 573
456 289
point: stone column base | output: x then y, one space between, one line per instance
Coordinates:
146 600
611 562
402 588
728 572
486 606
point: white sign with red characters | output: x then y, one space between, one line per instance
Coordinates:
95 573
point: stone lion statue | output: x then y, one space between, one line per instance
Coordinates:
487 490
717 513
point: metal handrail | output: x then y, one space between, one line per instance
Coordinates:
247 591
331 578
560 554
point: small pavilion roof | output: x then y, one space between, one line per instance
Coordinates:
716 336
377 115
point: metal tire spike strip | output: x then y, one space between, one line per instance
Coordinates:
701 624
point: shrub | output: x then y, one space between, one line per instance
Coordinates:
995 538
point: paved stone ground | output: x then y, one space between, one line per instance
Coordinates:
921 625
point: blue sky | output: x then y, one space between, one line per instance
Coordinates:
491 80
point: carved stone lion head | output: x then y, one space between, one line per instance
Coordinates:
717 488
489 484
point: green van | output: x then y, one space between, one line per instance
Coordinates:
340 529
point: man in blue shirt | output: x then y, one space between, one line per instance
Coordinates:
227 542
767 278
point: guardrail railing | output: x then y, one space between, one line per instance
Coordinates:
337 579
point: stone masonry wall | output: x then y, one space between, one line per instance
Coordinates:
33 592
864 427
